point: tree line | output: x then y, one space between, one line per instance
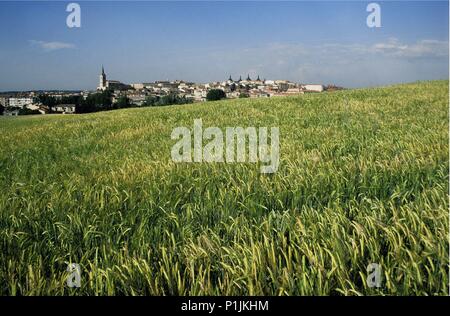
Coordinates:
103 101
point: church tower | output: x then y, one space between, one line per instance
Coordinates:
102 83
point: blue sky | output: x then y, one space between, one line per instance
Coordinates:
143 41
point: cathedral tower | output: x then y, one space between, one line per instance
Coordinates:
102 83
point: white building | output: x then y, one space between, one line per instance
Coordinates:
11 113
20 102
137 98
200 95
4 101
32 107
64 108
313 87
138 86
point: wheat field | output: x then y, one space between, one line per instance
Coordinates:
363 178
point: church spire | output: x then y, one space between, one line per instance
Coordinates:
248 78
230 78
102 82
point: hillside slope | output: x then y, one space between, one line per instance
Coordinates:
363 178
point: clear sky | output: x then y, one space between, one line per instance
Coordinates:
143 41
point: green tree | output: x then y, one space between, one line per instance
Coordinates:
47 100
171 99
151 100
215 94
99 101
122 102
243 95
25 111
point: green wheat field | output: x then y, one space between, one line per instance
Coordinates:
363 178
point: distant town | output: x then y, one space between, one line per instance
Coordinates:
113 94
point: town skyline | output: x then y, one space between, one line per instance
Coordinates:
229 77
115 94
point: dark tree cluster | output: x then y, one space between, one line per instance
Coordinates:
170 99
25 111
100 101
215 95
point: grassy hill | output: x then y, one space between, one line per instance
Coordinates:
363 178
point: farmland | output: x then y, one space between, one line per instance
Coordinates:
362 178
